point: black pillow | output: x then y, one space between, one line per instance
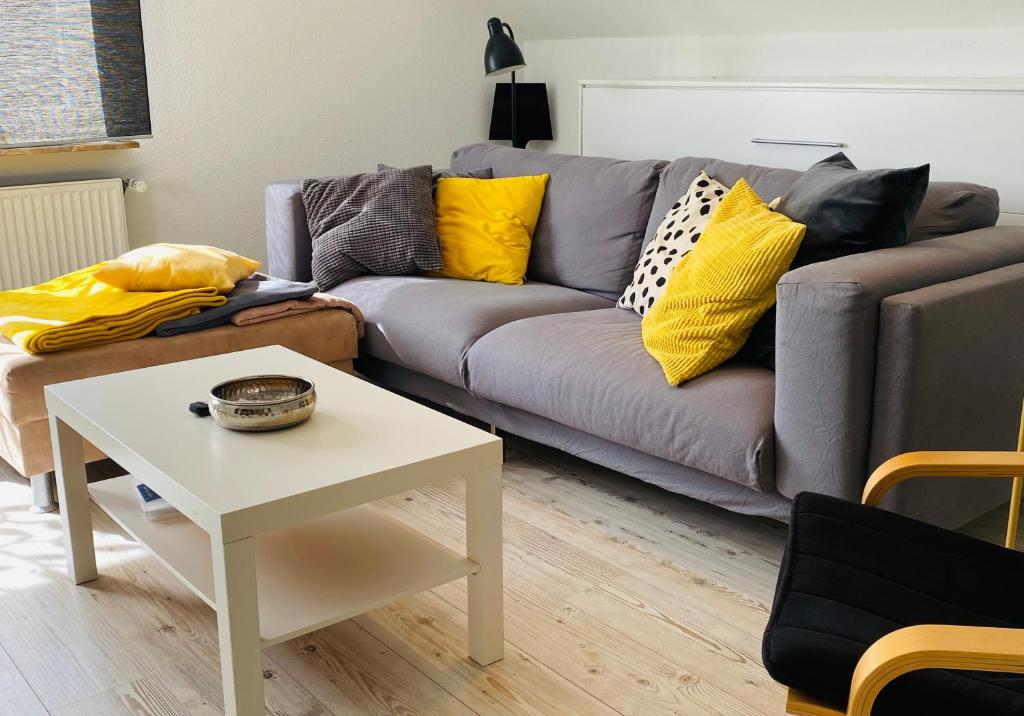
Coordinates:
849 211
380 223
846 211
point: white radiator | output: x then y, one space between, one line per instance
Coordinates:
47 230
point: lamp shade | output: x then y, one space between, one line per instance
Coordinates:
502 54
533 118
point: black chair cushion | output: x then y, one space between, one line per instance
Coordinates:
852 574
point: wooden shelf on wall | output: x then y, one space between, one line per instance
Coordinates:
62 148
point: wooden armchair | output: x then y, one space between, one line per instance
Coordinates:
915 646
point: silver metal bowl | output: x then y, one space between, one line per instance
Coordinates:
262 402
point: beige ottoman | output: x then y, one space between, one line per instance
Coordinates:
328 336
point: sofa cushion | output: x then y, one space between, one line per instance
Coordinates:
590 371
594 216
768 182
852 574
428 324
951 207
439 174
948 207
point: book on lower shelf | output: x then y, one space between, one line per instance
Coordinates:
151 503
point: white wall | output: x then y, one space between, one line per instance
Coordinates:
246 91
978 52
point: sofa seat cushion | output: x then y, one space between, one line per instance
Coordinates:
852 574
591 372
428 324
326 336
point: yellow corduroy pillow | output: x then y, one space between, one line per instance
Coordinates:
486 226
719 290
173 267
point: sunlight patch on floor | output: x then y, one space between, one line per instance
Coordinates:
32 546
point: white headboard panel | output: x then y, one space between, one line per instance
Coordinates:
971 131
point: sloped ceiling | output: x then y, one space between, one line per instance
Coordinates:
551 19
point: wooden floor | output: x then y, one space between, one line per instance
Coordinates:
620 598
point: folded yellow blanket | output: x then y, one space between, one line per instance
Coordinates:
77 310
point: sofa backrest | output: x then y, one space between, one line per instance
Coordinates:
289 245
676 177
594 217
598 212
952 207
948 207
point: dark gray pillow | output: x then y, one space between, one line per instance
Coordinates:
380 223
486 173
849 211
846 211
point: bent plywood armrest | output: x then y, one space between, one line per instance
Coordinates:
940 464
932 646
800 704
950 464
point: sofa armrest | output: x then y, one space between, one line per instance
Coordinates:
949 376
289 246
827 351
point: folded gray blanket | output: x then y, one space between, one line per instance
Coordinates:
249 292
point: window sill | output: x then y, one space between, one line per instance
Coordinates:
62 148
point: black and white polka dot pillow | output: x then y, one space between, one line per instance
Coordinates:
674 238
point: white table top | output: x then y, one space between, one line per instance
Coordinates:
361 443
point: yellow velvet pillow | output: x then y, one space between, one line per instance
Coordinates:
719 290
486 226
172 267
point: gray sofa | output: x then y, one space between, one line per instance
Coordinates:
918 347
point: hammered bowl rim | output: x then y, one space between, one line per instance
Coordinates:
250 403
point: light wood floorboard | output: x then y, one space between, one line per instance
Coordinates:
620 598
16 696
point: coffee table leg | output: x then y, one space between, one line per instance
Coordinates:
73 494
238 624
483 546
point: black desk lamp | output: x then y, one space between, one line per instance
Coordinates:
502 55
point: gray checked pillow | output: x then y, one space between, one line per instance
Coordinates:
381 223
674 238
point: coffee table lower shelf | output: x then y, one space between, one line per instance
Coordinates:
308 576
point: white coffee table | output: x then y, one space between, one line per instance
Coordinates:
276 532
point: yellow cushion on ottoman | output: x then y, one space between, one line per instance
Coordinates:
486 226
172 267
719 290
